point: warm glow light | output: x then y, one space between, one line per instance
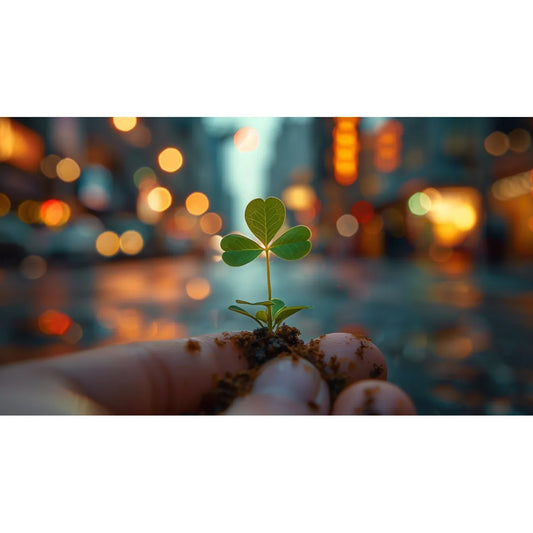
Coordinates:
419 203
497 143
465 217
33 267
198 288
54 213
362 211
211 223
519 140
124 123
68 170
108 243
197 203
246 139
53 322
5 204
299 197
49 165
347 225
159 199
530 223
28 212
20 146
345 150
170 159
388 147
131 242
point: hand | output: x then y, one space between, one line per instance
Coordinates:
171 377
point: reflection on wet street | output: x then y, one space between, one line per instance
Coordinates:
458 341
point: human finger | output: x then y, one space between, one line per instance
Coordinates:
159 377
373 397
286 385
353 357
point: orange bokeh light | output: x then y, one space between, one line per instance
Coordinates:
170 159
159 199
211 223
124 123
388 147
197 203
246 139
363 211
54 323
346 147
198 288
54 213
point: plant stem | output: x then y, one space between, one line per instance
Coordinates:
269 311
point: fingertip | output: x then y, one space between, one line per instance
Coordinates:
356 357
373 397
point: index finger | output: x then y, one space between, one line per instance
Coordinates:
159 377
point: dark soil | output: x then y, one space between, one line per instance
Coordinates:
260 346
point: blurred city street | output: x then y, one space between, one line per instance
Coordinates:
421 231
456 338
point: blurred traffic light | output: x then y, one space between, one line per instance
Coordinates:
346 146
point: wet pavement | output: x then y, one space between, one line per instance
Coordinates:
457 338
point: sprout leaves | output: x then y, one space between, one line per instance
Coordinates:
293 244
265 217
239 250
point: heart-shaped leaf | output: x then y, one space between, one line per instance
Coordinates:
242 311
293 244
265 217
286 312
239 250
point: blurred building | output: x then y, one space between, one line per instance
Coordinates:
426 186
66 181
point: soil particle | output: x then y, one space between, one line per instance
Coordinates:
376 371
193 346
260 346
360 350
368 407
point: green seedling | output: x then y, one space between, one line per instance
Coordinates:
265 218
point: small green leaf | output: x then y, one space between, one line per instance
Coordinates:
266 302
278 304
265 217
293 244
242 311
286 312
261 315
239 250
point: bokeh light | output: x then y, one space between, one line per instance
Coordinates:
465 217
33 267
108 243
49 165
198 288
419 203
519 140
54 213
131 242
197 203
53 322
5 204
211 223
124 123
159 199
29 212
347 225
170 159
497 143
362 211
299 197
246 139
68 170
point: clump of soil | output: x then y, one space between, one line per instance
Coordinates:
260 346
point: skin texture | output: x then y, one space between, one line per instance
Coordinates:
161 377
